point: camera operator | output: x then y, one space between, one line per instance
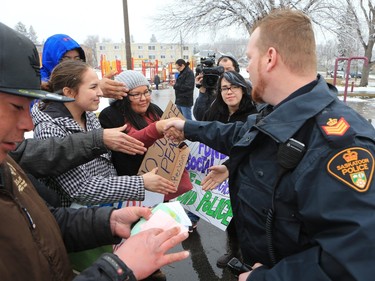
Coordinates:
208 94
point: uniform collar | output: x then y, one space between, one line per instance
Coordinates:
289 116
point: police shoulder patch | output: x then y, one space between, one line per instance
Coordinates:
354 167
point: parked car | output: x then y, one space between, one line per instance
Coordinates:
357 74
339 74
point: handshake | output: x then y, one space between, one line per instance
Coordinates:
172 128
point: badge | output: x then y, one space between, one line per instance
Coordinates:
354 167
336 127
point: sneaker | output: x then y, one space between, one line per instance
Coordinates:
193 227
158 275
222 262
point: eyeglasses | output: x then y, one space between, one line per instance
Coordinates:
137 96
232 88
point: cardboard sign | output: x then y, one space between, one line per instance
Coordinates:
214 205
170 158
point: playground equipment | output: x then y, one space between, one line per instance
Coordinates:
107 67
347 71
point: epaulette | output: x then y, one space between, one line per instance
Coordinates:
335 129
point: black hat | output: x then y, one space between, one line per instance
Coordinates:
20 67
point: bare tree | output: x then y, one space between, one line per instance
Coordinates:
194 16
21 28
91 42
153 39
363 23
32 35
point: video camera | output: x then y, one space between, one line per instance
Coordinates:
210 72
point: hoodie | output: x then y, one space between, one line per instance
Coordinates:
54 49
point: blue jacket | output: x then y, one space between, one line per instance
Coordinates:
324 219
54 49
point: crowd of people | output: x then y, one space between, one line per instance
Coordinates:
300 164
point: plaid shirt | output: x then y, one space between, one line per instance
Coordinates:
95 182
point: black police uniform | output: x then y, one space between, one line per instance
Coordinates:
323 223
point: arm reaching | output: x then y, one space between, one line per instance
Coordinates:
111 88
114 139
156 183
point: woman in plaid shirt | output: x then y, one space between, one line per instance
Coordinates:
95 182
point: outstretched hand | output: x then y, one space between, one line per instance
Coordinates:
146 251
156 183
115 139
217 174
112 88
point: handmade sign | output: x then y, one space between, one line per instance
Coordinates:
213 206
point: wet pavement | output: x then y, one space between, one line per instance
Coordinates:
206 245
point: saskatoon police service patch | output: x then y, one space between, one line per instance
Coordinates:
354 167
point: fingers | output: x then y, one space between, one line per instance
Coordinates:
130 145
165 186
209 185
113 89
170 238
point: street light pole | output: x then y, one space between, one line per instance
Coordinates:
127 35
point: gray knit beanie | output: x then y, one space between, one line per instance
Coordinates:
132 79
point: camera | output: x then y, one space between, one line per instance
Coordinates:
210 72
237 267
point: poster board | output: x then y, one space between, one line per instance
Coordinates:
214 205
170 158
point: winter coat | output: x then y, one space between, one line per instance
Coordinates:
95 182
63 155
184 88
54 49
32 236
322 209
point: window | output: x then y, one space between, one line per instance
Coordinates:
162 56
185 48
101 48
116 47
151 48
140 56
151 57
186 57
140 47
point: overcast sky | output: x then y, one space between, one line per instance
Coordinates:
80 18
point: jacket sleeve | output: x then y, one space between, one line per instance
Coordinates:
85 228
38 156
147 135
107 267
216 135
186 82
201 105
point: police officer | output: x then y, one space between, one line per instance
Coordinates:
301 177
